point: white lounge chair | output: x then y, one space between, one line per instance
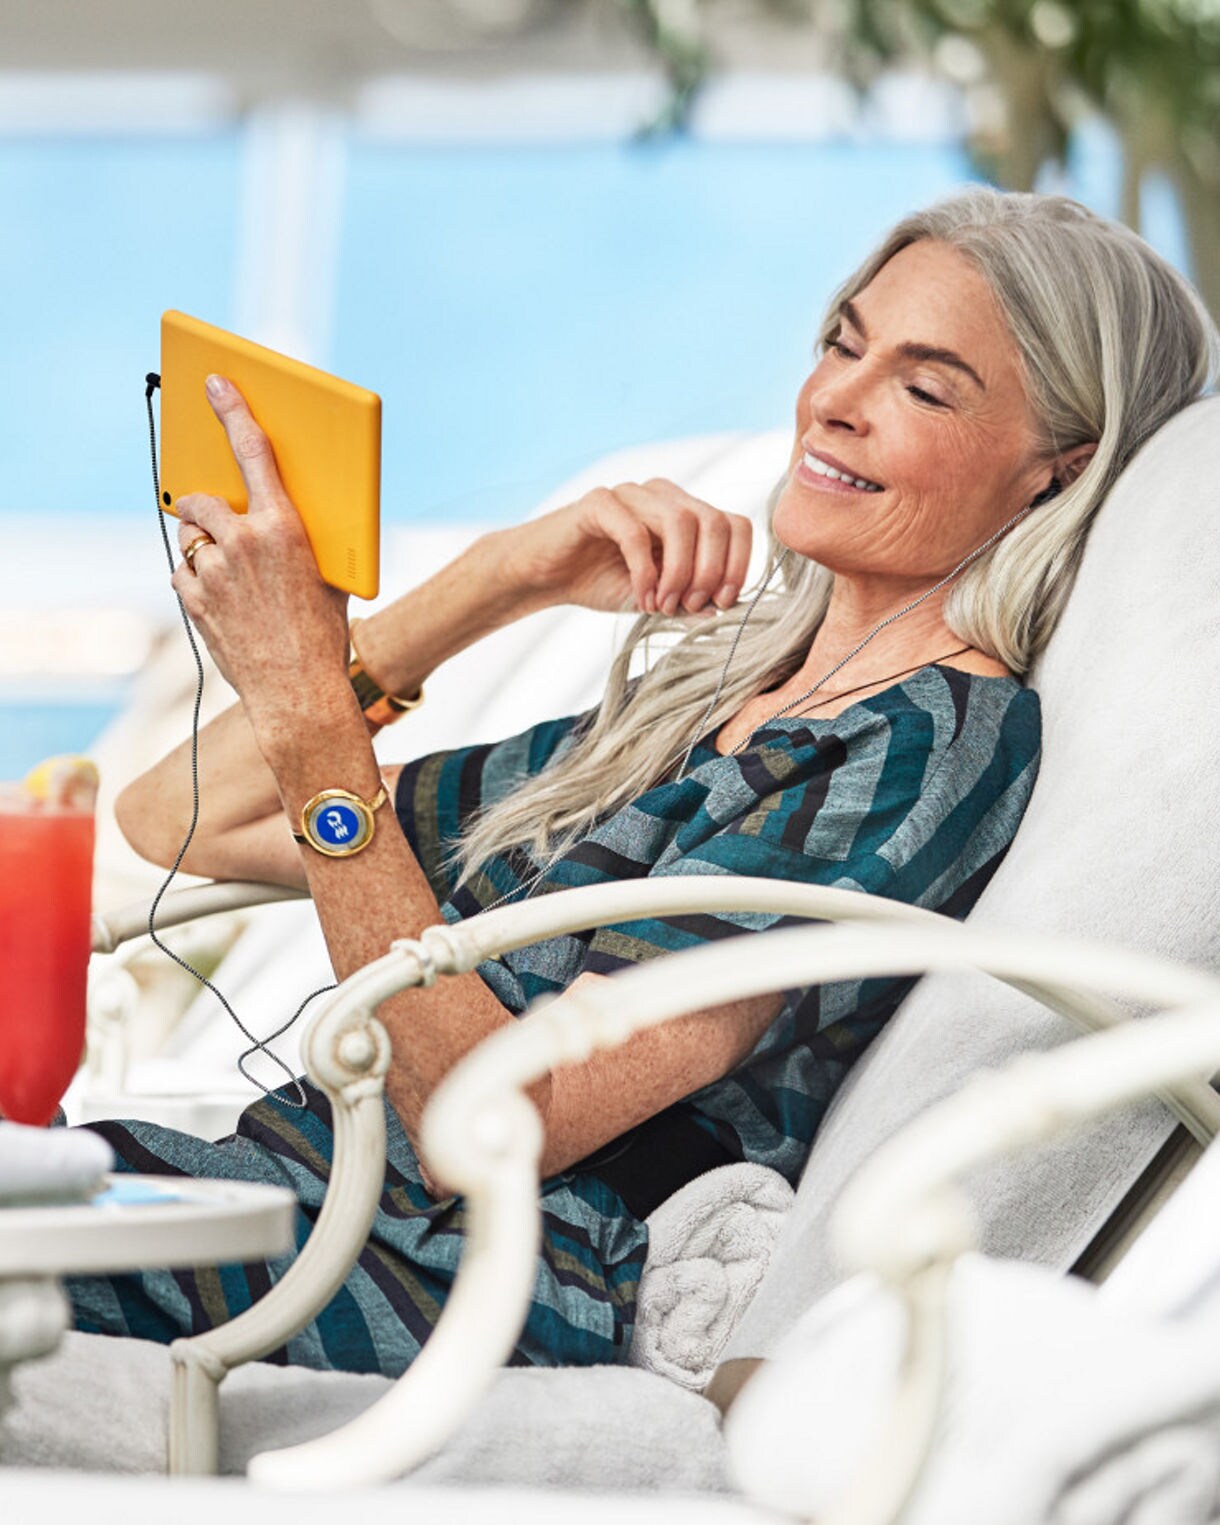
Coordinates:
1116 846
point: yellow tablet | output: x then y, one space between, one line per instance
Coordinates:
326 435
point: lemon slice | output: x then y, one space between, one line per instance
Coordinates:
68 783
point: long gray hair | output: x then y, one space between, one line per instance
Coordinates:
1112 341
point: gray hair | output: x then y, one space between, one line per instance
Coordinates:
1112 342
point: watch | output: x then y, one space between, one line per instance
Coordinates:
338 823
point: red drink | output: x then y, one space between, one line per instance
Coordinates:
46 874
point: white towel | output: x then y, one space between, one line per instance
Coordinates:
1058 1407
709 1247
50 1164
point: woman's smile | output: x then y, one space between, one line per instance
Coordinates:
816 471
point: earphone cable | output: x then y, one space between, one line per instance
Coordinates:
526 888
257 1045
724 671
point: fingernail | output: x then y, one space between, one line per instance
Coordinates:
670 604
217 387
650 603
727 596
695 601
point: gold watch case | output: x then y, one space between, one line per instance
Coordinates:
338 823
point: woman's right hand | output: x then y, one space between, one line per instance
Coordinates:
647 545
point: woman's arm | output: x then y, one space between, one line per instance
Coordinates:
242 832
616 1089
651 545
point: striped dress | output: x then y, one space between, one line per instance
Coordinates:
913 793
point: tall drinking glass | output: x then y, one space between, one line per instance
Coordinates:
46 874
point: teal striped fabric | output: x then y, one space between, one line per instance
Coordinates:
913 793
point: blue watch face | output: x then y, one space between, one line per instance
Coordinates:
337 825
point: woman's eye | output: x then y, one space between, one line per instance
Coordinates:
842 350
925 396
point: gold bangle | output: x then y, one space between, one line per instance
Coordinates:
378 706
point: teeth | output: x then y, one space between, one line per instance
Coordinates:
839 476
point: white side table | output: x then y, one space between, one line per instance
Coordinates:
136 1223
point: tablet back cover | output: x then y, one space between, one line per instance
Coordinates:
326 434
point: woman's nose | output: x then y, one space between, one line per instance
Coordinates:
841 398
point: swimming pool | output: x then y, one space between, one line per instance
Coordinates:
34 728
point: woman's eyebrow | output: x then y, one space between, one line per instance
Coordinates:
914 351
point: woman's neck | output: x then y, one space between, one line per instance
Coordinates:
853 615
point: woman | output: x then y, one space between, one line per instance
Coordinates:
984 377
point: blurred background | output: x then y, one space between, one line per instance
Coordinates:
541 229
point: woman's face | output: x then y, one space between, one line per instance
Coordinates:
946 437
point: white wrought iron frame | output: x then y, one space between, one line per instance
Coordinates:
484 1137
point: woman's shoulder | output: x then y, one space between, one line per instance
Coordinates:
967 691
937 724
945 705
978 663
978 737
972 710
932 710
980 696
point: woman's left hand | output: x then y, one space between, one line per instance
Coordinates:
277 632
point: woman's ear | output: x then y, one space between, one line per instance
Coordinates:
1072 462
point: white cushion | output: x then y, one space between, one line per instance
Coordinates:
1118 845
102 1404
57 1496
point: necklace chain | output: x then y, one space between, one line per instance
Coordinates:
876 630
529 883
844 693
700 730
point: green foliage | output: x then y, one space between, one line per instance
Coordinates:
685 57
1152 67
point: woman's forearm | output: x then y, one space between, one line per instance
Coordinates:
401 645
467 599
235 787
366 901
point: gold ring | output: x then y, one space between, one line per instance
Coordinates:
191 551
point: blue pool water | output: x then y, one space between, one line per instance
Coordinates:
30 731
97 238
526 312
